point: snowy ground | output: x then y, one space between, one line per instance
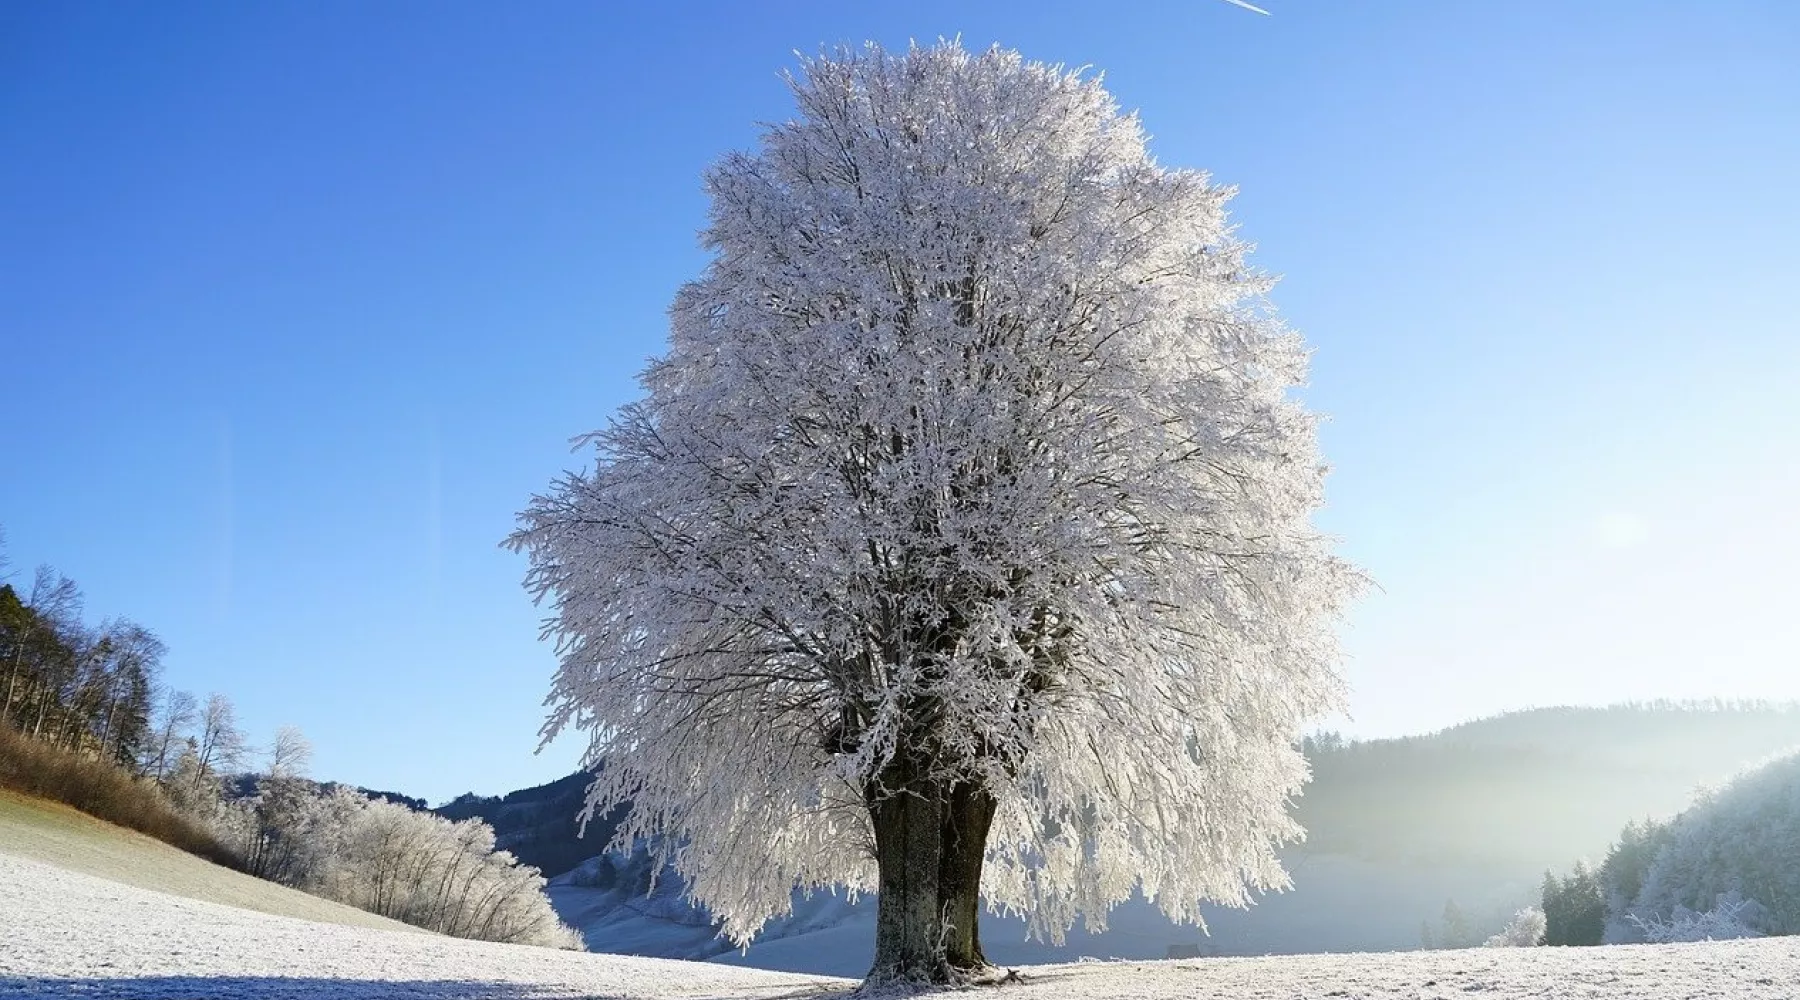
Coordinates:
64 934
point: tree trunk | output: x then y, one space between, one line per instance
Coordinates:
37 728
907 810
12 679
969 814
930 838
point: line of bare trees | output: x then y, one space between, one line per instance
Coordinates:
95 691
80 687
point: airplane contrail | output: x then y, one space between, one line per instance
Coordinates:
1248 6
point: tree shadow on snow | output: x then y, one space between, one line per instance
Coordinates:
267 988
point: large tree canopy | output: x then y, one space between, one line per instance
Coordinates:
971 498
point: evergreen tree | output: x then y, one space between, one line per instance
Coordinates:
1456 926
1574 909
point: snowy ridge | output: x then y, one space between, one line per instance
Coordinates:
66 935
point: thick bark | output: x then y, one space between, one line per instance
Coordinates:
907 811
930 838
968 814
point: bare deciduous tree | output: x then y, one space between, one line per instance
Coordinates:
55 609
291 754
176 714
220 746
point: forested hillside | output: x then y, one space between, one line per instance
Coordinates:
76 686
539 825
1532 788
1723 868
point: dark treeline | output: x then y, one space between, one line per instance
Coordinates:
541 825
81 687
93 691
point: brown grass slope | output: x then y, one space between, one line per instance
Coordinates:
53 833
89 816
103 790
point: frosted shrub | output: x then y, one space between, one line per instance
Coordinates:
443 876
1525 930
1724 922
287 832
416 867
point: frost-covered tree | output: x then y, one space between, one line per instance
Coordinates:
429 871
1725 861
960 546
291 753
191 787
176 713
275 829
1524 930
219 746
337 842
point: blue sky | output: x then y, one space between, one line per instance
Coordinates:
300 302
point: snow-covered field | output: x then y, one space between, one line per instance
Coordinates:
64 934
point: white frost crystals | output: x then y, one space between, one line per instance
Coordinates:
974 445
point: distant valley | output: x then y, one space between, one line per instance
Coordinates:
1428 840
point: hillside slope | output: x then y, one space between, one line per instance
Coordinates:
68 934
55 834
65 935
539 825
1532 789
1397 829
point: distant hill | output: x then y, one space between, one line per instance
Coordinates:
539 825
242 786
1536 788
1396 830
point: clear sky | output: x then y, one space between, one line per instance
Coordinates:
299 302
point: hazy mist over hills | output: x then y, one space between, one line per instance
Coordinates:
1539 787
1396 829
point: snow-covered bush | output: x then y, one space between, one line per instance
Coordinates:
379 856
1726 921
1525 930
440 875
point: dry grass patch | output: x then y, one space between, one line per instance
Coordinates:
103 790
